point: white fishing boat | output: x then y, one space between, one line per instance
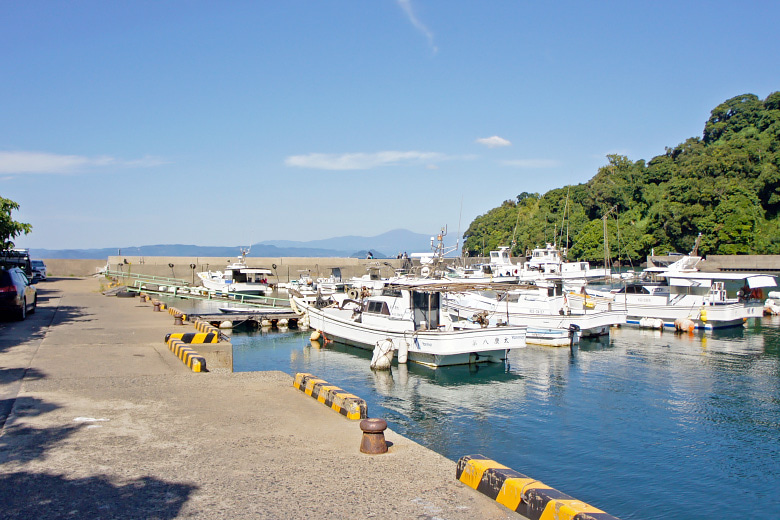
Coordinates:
238 278
409 316
545 311
547 263
683 297
328 285
499 269
543 263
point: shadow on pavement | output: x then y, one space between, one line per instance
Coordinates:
40 496
13 333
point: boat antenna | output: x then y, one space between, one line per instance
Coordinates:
564 218
457 240
514 233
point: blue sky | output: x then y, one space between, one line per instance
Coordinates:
228 123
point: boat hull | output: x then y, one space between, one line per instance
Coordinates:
544 328
235 288
706 317
552 337
433 348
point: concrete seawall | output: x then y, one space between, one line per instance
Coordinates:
289 268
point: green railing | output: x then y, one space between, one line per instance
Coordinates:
201 293
160 280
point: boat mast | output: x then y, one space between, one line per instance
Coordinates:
514 232
607 267
695 250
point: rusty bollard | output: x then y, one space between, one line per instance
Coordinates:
143 298
373 441
157 307
177 319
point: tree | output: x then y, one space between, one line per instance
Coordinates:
724 185
9 228
732 116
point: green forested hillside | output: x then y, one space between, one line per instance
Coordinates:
724 185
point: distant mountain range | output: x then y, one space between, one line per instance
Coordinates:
386 245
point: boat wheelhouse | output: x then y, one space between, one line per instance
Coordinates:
238 278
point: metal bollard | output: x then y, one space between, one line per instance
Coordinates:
177 319
373 441
157 307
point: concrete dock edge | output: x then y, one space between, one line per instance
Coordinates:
192 359
522 494
348 405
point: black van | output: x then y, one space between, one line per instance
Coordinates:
17 258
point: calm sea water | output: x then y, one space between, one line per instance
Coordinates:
644 424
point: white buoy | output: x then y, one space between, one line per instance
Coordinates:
403 352
282 322
383 355
651 323
315 336
226 325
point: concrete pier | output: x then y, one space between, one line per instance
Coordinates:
100 420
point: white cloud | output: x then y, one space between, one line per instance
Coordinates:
365 161
493 142
147 161
532 163
406 5
43 162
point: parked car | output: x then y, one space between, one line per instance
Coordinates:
38 270
17 295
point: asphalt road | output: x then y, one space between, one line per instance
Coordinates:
100 420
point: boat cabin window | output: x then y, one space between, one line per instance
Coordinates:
394 293
425 308
376 307
501 257
634 289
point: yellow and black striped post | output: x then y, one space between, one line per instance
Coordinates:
190 358
349 405
194 337
204 326
523 494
